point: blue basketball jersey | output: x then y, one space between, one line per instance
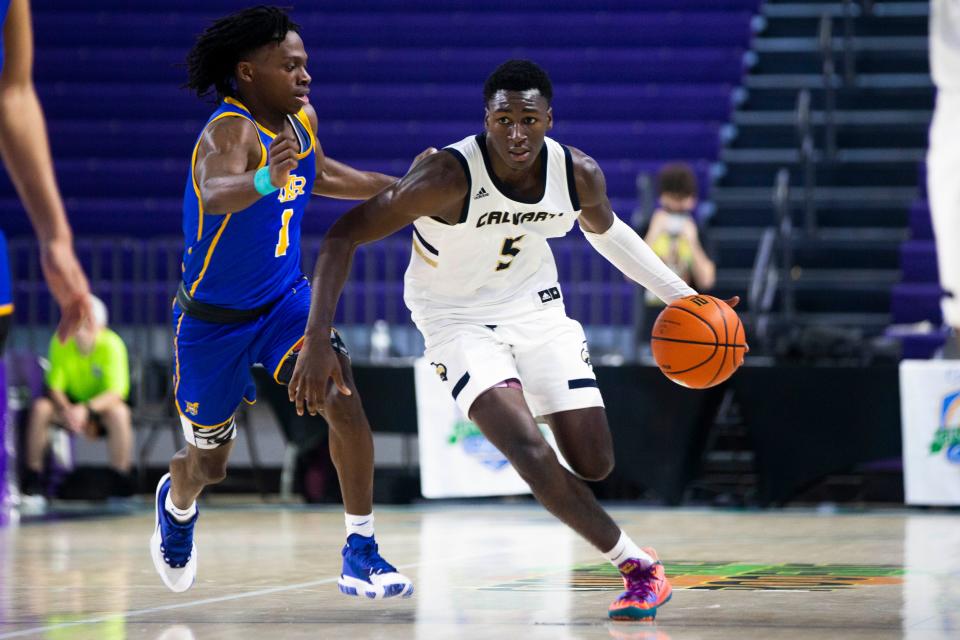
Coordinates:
248 258
4 5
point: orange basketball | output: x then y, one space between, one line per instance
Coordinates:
698 341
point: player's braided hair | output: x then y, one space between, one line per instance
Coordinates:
215 54
518 75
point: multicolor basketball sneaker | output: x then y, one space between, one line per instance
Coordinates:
646 590
367 574
171 545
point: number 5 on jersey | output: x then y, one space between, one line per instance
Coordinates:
509 251
283 242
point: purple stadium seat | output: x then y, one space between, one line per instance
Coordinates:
472 29
391 6
357 140
918 261
597 102
913 302
921 226
636 85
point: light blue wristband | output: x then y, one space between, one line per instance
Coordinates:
261 182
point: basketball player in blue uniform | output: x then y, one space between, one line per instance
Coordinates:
26 155
482 288
243 299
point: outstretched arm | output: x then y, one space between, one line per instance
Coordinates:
434 187
338 180
615 240
26 153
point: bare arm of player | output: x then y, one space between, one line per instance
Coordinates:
341 181
338 180
26 153
227 159
615 240
435 187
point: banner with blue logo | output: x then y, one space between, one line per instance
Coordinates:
456 460
930 406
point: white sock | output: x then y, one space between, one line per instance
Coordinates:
362 525
180 515
624 549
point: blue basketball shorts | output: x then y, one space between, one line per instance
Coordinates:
212 363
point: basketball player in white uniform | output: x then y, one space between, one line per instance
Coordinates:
943 160
482 288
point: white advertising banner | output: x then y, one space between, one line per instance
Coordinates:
456 460
930 419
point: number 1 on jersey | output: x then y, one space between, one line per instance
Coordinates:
283 242
509 251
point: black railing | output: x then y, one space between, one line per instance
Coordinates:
772 272
807 153
828 71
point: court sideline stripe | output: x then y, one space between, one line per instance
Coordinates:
196 603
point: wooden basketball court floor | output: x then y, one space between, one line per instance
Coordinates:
498 571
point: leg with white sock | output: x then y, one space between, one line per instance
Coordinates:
365 572
199 464
504 418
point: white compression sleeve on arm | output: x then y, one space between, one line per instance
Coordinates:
628 252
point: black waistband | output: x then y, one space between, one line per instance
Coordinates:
215 314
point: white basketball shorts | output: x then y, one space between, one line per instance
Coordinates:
545 350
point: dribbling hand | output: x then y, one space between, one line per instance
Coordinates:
283 158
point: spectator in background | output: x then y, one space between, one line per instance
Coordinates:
943 161
674 236
88 382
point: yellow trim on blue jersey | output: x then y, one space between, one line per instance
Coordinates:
276 372
206 259
422 254
249 116
193 162
305 121
6 309
300 115
176 357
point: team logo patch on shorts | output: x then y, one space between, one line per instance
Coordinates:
192 408
441 370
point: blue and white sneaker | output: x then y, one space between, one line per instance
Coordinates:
366 573
171 545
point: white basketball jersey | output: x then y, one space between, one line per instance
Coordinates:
945 43
495 263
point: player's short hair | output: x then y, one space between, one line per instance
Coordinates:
215 54
518 75
678 179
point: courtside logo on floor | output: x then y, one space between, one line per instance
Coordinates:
947 437
721 576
